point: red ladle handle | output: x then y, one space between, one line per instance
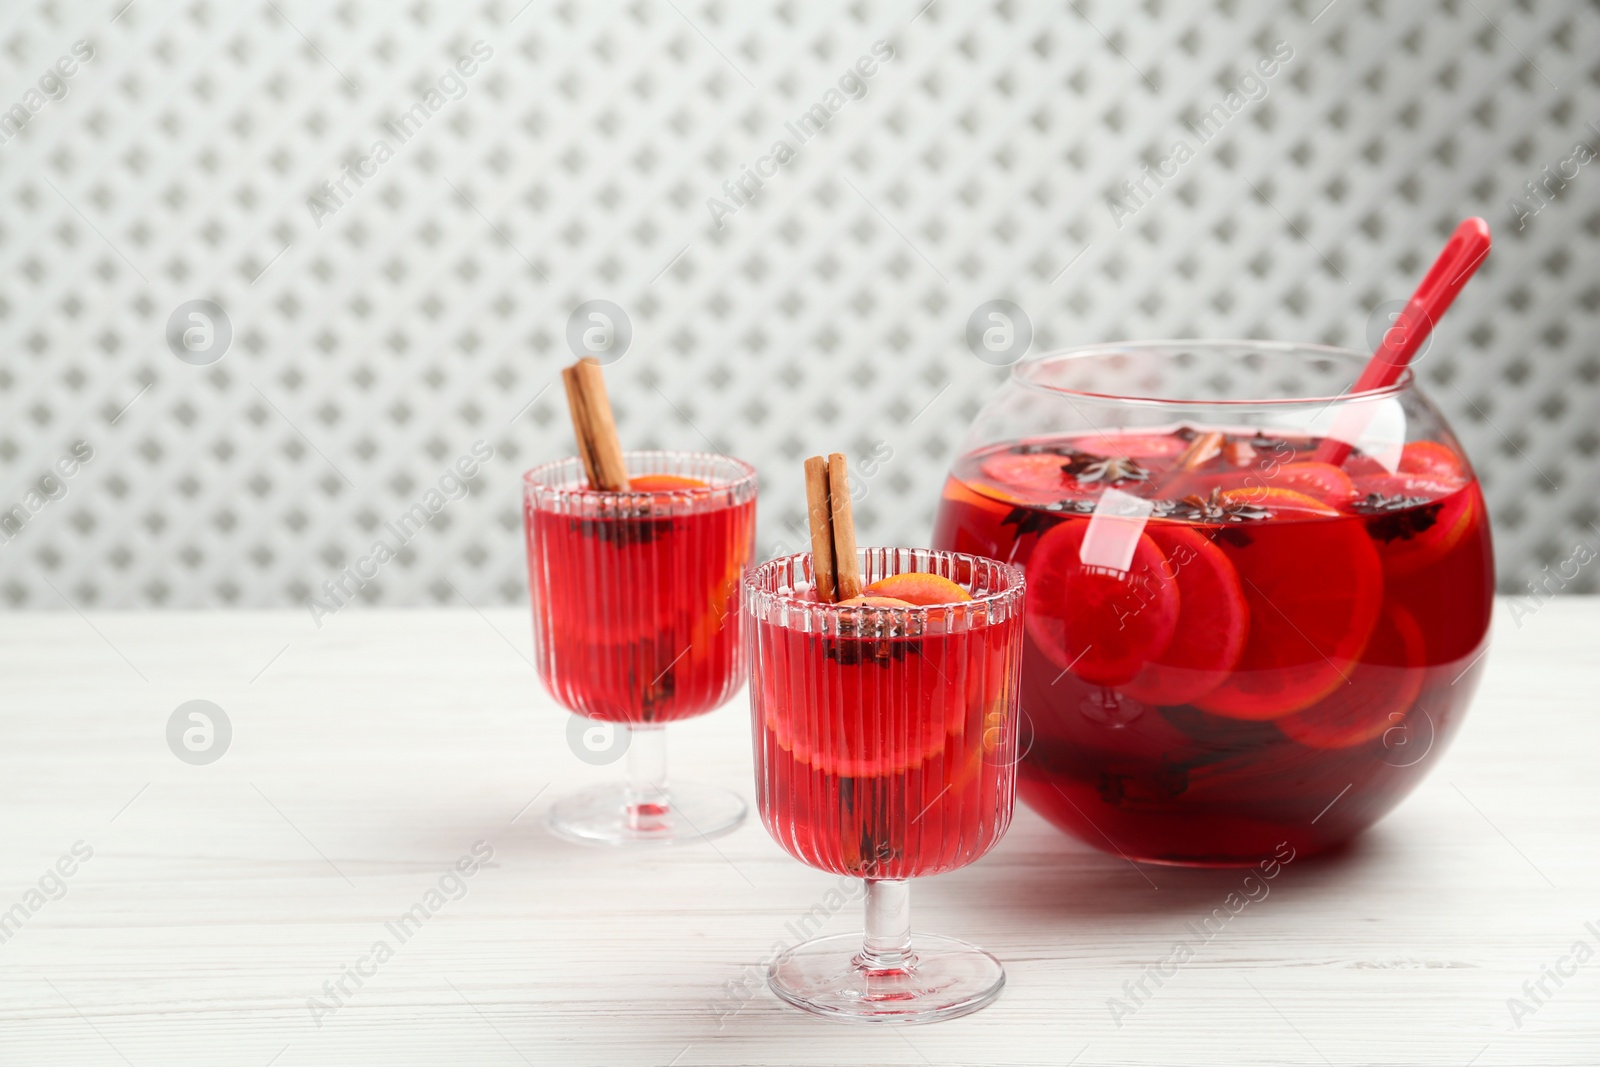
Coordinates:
1462 254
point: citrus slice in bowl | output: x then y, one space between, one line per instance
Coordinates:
1213 621
1036 476
1324 481
1380 690
1132 445
1102 623
1415 519
1314 589
1284 503
1431 459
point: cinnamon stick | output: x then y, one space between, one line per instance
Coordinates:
846 566
594 427
819 512
1202 449
833 529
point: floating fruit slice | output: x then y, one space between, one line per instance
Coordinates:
1132 445
1359 465
661 483
1284 503
922 590
860 741
1314 590
1324 481
1320 481
1036 474
863 721
1433 460
1103 624
865 601
1212 625
1381 689
1418 518
997 744
1423 486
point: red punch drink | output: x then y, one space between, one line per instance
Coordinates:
885 748
635 599
885 744
1228 644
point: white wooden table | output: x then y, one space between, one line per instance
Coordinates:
370 756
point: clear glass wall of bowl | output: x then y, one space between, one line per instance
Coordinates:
1242 634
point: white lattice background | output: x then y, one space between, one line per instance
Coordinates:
426 313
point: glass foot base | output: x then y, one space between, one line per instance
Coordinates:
948 979
607 815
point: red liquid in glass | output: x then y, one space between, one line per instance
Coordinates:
885 757
636 618
1280 662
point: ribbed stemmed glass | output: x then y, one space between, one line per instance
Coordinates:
885 742
635 624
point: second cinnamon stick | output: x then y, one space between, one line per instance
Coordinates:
845 564
819 516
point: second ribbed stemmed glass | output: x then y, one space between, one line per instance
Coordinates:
885 743
635 621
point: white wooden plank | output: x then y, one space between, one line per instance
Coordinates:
372 754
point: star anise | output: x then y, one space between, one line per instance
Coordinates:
1215 509
1397 517
1077 461
849 651
621 530
1377 503
1108 469
1037 518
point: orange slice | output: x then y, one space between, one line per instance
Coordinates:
1314 599
1320 481
921 590
1101 624
1033 476
1433 460
1324 481
1132 445
1381 688
1285 503
661 483
1412 538
865 601
1213 621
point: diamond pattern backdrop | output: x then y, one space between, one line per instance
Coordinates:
417 304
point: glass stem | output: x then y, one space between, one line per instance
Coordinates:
647 775
888 942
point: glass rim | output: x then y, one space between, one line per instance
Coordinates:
1020 371
747 477
1015 586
